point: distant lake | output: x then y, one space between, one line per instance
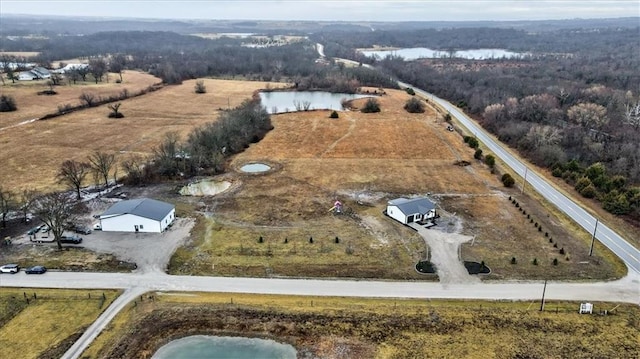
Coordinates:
290 101
426 53
212 347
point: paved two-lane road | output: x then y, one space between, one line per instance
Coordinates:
624 290
618 245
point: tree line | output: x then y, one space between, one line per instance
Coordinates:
573 105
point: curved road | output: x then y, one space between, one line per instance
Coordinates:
628 253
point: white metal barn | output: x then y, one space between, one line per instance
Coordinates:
411 210
138 215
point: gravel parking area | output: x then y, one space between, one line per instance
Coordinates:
150 251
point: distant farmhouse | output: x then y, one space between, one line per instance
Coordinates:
411 210
138 215
71 67
37 73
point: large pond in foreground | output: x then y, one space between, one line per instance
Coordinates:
213 347
291 101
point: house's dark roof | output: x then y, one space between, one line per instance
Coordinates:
413 205
143 207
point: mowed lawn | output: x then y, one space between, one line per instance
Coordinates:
52 317
33 152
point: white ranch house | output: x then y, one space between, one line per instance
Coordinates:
138 215
406 210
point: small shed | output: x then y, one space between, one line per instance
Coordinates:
138 215
406 210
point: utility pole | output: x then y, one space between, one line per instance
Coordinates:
593 237
524 181
543 291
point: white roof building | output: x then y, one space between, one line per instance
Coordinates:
138 215
406 210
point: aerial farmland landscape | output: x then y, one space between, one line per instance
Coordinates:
363 179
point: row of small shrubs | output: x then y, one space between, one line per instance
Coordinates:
539 229
286 240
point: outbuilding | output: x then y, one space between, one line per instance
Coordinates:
138 215
405 210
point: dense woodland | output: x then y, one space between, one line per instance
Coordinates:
572 104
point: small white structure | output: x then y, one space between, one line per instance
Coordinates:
586 308
411 210
138 215
26 76
37 73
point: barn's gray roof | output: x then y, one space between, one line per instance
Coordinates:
142 207
413 205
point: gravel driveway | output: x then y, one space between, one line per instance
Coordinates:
150 251
444 254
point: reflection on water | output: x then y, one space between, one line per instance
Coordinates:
255 168
291 101
212 347
426 53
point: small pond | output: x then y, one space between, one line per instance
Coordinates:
426 53
212 347
205 188
291 101
255 168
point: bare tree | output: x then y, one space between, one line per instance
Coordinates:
27 200
134 167
72 75
72 173
200 87
7 203
101 164
588 115
165 155
83 71
115 110
88 99
117 64
632 115
97 67
55 210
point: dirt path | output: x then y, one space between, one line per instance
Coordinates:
444 254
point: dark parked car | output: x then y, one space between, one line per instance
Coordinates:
70 239
82 229
36 270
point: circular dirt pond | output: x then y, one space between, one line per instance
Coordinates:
255 168
205 188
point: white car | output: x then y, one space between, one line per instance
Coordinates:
10 268
97 227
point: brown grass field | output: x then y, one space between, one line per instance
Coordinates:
361 159
330 327
364 160
33 152
48 325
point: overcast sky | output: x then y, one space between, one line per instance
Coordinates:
344 10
